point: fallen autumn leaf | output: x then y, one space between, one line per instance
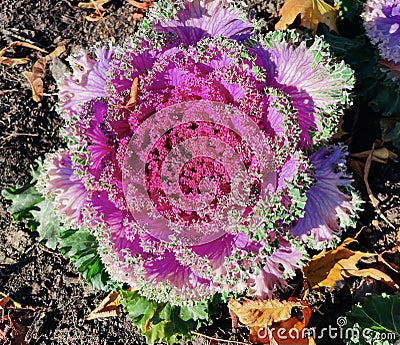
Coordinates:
312 12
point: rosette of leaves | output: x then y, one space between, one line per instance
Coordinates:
369 43
156 321
281 94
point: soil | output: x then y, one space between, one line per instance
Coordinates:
36 276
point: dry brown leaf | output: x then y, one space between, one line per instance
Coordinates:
97 5
55 53
262 313
395 69
16 61
326 268
13 61
141 5
372 273
132 95
107 308
312 12
380 155
389 261
35 78
14 321
21 44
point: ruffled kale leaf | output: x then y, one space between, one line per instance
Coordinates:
82 248
163 322
27 203
375 321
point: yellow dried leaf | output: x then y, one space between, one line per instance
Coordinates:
107 308
312 12
326 268
262 313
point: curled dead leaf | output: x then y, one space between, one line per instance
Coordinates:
380 155
372 273
109 307
16 61
55 53
35 78
10 62
312 12
326 268
132 95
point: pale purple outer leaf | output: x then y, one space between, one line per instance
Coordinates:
206 18
327 206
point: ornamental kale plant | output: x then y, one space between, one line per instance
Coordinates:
368 42
382 25
246 186
198 158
